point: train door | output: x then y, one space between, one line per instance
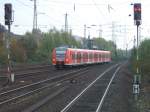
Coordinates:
92 57
99 57
85 57
82 57
102 57
73 57
79 57
88 57
75 52
95 57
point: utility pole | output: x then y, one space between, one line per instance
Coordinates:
100 31
84 39
114 38
125 39
113 33
66 22
126 50
85 31
35 16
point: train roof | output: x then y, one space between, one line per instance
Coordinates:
76 49
88 50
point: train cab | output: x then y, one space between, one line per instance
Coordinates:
58 57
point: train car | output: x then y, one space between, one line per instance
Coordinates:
63 56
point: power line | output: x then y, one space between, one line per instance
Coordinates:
85 4
22 3
99 9
35 13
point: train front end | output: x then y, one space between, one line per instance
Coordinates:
58 57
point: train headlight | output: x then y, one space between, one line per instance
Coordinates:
67 60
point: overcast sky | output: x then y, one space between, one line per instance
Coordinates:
51 13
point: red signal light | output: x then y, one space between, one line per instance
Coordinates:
137 11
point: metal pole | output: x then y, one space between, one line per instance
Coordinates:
100 31
35 16
126 50
84 40
137 57
9 69
85 31
66 22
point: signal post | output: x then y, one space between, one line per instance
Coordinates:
137 22
8 22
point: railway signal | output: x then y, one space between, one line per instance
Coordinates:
8 14
8 21
137 13
137 20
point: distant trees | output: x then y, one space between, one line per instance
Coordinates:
35 47
102 44
18 53
3 54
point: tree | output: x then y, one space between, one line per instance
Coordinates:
18 53
3 55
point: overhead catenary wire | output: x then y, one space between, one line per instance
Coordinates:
47 16
22 3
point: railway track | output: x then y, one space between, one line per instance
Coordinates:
13 95
21 71
31 75
92 97
25 75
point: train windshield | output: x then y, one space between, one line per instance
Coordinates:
60 53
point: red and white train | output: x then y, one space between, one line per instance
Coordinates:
62 56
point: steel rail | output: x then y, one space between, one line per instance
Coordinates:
30 72
40 82
83 91
106 91
30 67
45 100
64 76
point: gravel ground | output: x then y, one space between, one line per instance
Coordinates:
17 107
143 103
119 97
33 78
59 102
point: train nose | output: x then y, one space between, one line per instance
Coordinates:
60 62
